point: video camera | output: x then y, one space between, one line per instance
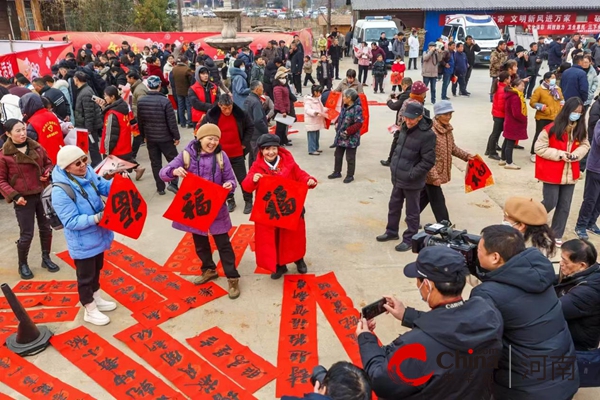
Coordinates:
442 234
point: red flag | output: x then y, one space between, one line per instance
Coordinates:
365 107
125 210
279 202
197 203
477 175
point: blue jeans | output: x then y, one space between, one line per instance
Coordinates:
313 141
445 82
430 82
183 105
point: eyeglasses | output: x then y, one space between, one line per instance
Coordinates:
83 160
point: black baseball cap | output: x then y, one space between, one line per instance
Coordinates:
413 110
438 264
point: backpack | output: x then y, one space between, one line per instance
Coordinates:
187 160
49 212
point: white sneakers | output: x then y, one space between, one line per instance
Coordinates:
93 311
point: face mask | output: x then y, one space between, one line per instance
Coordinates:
574 117
510 48
243 68
508 223
426 300
283 81
552 82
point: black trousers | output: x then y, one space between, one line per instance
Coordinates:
529 86
495 135
434 196
297 78
325 82
507 150
363 71
307 78
26 216
94 138
590 208
558 197
252 153
226 254
378 83
281 131
155 151
540 124
350 159
136 144
88 277
336 68
393 146
413 211
460 84
238 164
412 60
468 76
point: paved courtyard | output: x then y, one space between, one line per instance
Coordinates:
342 222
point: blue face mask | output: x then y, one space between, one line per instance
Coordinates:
552 82
574 116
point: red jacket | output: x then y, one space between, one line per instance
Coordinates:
515 123
551 171
155 70
50 135
275 246
498 101
281 99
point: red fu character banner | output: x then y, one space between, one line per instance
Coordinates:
279 202
197 203
125 210
478 175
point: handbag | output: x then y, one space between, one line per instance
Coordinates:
588 363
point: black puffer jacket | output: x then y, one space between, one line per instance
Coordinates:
60 105
579 296
270 71
534 328
254 109
414 155
112 125
156 118
244 123
30 104
88 114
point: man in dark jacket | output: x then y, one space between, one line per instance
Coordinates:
460 340
395 104
88 114
182 78
461 65
384 43
254 108
158 126
237 129
60 105
470 49
297 61
554 52
335 53
413 157
533 69
574 81
270 71
538 356
190 56
271 51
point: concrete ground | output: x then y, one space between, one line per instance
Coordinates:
342 222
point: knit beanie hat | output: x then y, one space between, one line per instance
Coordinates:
526 210
208 130
68 155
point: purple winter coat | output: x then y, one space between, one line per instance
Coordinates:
203 167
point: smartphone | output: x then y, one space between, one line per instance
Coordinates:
96 98
373 309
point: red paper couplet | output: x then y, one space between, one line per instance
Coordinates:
33 383
365 107
205 293
5 397
331 113
279 202
122 377
48 300
156 314
478 175
83 141
297 354
188 372
196 203
6 332
46 287
299 117
333 100
237 361
42 315
126 209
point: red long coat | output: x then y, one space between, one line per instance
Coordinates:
275 246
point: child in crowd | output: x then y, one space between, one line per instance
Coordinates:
314 119
398 68
325 72
307 67
379 73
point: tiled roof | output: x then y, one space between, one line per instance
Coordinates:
454 5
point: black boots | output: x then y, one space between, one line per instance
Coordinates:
301 266
231 204
23 252
46 241
248 207
281 269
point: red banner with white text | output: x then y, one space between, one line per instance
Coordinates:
33 63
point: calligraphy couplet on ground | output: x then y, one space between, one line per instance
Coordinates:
48 300
42 315
279 202
239 242
235 360
122 377
125 210
33 383
6 332
45 287
188 372
478 175
196 203
297 353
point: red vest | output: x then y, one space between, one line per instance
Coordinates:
550 171
123 145
47 127
197 115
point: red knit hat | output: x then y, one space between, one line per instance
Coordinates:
510 43
418 88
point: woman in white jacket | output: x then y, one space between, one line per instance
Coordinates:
413 52
314 119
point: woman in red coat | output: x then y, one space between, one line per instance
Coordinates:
498 115
275 247
515 121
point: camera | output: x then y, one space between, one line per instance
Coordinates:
442 234
318 375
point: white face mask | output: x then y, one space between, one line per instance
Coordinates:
426 300
283 81
243 68
508 223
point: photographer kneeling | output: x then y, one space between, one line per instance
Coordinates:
459 341
343 381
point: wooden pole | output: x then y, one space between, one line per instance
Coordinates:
328 17
37 15
22 16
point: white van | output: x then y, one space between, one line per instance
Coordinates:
369 30
483 28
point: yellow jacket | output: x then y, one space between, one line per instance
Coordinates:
542 96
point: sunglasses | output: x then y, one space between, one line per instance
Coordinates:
82 161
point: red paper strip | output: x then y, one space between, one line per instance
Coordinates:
6 332
33 383
197 202
122 287
48 300
477 175
243 366
150 273
279 202
110 368
46 287
299 118
297 354
239 242
156 314
188 372
5 397
126 209
365 107
40 316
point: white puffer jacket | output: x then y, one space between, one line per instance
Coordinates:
312 106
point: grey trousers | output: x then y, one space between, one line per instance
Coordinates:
558 198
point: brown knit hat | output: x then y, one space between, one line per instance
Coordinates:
208 130
526 210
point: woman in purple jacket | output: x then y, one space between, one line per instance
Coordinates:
204 157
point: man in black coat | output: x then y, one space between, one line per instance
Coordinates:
60 105
270 71
297 61
413 157
395 104
470 49
254 108
538 356
158 127
533 68
335 53
460 340
554 52
88 114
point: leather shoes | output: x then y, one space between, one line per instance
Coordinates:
403 247
301 266
519 147
494 157
248 207
385 163
25 272
386 237
49 264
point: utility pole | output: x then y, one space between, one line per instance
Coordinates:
328 16
179 16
